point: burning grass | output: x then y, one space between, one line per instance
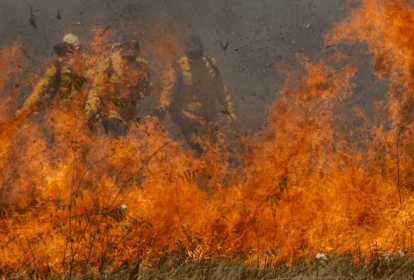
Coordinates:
74 200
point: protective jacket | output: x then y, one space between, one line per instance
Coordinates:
118 83
192 87
54 83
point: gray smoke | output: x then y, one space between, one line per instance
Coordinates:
248 38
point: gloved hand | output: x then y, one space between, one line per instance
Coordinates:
94 116
94 120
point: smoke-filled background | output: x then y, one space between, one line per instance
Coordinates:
254 42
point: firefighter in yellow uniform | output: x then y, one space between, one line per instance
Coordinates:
192 87
56 81
121 79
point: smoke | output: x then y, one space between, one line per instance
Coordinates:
248 39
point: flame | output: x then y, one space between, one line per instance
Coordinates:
302 187
162 49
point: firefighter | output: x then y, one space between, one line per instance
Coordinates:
58 76
193 84
121 81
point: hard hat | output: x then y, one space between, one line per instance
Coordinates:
194 47
194 43
71 39
130 42
130 46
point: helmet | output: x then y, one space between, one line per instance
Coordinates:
194 47
71 39
130 46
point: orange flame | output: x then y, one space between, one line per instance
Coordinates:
302 187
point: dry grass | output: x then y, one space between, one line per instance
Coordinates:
338 267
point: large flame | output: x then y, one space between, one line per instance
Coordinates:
302 187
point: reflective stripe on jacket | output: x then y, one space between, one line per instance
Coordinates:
50 76
40 87
99 83
191 107
102 82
